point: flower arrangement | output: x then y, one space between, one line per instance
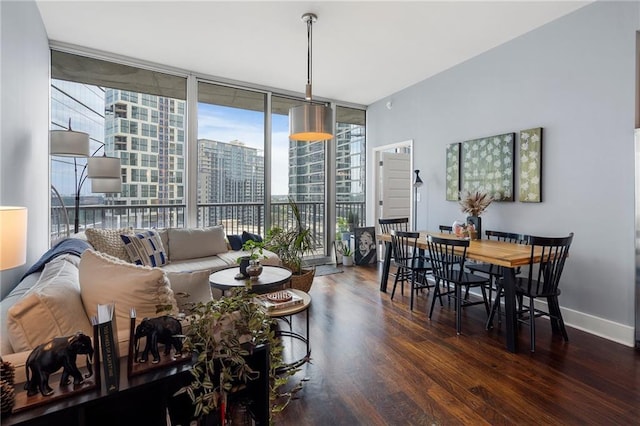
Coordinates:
474 204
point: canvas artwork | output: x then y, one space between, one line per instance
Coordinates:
487 166
365 242
531 165
453 172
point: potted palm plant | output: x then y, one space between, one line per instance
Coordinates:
291 245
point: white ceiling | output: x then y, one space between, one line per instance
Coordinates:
363 51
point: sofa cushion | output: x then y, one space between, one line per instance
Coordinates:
246 236
193 243
108 241
235 241
105 279
190 288
51 308
145 248
210 264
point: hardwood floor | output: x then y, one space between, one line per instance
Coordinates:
376 363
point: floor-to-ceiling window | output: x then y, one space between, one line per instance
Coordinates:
243 160
231 141
130 113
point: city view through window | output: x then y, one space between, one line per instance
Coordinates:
149 134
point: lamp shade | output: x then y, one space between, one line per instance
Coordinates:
69 143
106 185
310 122
103 167
13 237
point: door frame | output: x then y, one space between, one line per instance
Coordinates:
376 154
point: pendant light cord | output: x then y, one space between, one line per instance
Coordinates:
309 58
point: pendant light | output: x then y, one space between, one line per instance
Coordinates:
310 122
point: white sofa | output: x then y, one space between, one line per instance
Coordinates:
61 298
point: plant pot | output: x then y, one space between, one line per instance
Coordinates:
476 221
347 260
254 269
244 262
304 280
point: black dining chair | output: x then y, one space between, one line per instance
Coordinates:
546 263
389 224
495 272
448 267
448 229
411 266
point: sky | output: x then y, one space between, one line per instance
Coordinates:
225 124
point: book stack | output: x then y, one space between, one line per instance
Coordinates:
279 300
108 333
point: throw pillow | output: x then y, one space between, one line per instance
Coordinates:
145 248
106 279
246 236
235 241
190 288
51 308
108 241
193 243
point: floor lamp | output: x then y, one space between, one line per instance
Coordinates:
417 183
103 171
13 237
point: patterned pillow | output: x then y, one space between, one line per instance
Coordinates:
108 241
145 248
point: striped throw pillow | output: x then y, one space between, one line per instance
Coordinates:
145 248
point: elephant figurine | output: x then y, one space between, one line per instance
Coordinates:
49 357
166 330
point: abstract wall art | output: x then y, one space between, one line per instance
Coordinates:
453 172
530 165
487 166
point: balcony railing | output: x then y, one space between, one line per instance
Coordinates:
235 217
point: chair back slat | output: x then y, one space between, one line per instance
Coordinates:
404 246
509 237
399 224
446 263
544 276
446 229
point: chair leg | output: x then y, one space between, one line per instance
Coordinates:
458 308
532 324
554 309
495 307
395 282
436 294
413 289
484 298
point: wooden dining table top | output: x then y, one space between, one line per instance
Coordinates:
502 253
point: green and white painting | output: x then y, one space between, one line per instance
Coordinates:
531 165
453 171
487 166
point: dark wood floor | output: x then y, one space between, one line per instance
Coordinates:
376 363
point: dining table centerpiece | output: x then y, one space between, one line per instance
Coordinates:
474 204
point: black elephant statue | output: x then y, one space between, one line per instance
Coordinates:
49 357
166 330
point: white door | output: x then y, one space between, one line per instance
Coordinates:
395 185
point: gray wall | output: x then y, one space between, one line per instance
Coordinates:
575 77
24 148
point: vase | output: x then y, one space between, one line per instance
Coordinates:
254 269
476 221
244 262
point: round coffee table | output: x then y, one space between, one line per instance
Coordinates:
270 278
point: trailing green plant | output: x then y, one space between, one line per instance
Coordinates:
222 333
291 244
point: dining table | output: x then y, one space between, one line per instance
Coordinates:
508 255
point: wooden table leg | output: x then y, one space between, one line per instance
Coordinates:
385 266
510 309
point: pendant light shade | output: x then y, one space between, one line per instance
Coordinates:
310 122
106 185
69 143
103 167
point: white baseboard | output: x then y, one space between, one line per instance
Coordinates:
591 324
616 332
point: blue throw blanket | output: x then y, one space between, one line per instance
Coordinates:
68 245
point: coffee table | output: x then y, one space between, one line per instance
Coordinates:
271 277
